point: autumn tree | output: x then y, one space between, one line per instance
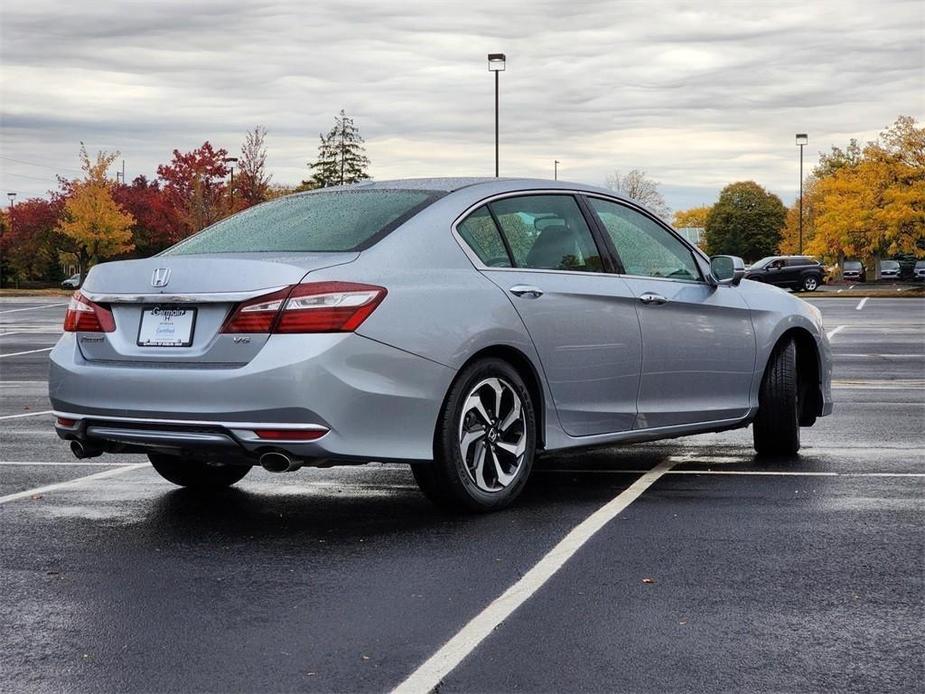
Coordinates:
29 246
194 183
867 202
693 218
341 156
252 184
636 186
746 221
157 223
94 225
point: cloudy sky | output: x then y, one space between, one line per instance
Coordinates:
698 94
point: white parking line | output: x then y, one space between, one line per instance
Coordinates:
861 303
31 308
755 473
429 675
25 414
29 493
834 331
29 351
71 463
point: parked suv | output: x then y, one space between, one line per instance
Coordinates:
790 271
889 269
854 271
918 272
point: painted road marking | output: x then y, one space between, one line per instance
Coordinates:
439 665
756 473
834 331
25 414
861 303
71 463
29 493
31 308
29 351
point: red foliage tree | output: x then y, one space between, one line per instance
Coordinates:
194 183
29 244
157 221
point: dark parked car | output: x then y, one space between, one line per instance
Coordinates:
889 269
854 271
918 272
789 271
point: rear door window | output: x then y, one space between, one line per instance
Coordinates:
547 232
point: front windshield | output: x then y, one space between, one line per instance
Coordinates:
764 261
889 265
852 265
341 220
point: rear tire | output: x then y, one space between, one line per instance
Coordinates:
776 429
810 283
484 442
199 474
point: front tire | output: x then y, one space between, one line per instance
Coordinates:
776 429
198 474
484 443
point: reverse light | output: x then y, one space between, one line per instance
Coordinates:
318 307
86 316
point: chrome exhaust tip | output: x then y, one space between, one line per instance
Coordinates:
277 461
82 451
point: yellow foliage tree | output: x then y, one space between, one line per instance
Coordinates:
695 217
92 221
869 204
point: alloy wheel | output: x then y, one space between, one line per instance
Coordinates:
492 434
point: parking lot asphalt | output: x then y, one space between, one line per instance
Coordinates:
728 573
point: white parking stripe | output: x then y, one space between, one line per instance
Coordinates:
29 493
71 463
25 414
834 331
861 303
439 665
31 308
756 473
30 351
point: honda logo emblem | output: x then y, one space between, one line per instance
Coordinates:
160 277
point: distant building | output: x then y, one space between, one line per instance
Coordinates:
692 234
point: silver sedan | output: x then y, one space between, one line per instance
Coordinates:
463 326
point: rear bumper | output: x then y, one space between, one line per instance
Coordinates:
373 401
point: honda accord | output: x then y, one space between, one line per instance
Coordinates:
462 326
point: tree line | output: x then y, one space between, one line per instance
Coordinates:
861 202
93 218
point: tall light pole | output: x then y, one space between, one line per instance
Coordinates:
555 170
12 197
496 63
232 161
802 141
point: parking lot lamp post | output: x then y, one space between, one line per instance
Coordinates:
555 170
496 62
11 196
802 141
231 160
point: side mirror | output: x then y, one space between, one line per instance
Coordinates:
727 269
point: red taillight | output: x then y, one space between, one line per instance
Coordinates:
85 316
319 307
290 434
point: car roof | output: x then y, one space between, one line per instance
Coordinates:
501 185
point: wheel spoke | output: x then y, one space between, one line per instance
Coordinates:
498 391
504 479
515 449
480 466
512 416
468 438
474 404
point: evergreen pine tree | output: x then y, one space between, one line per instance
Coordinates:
341 156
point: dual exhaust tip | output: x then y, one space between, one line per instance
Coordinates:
272 461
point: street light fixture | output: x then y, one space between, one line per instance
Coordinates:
802 141
232 161
11 196
555 170
496 64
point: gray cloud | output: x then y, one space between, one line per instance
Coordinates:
697 94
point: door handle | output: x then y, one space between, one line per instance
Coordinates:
526 290
653 299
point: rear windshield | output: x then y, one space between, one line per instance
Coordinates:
315 222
